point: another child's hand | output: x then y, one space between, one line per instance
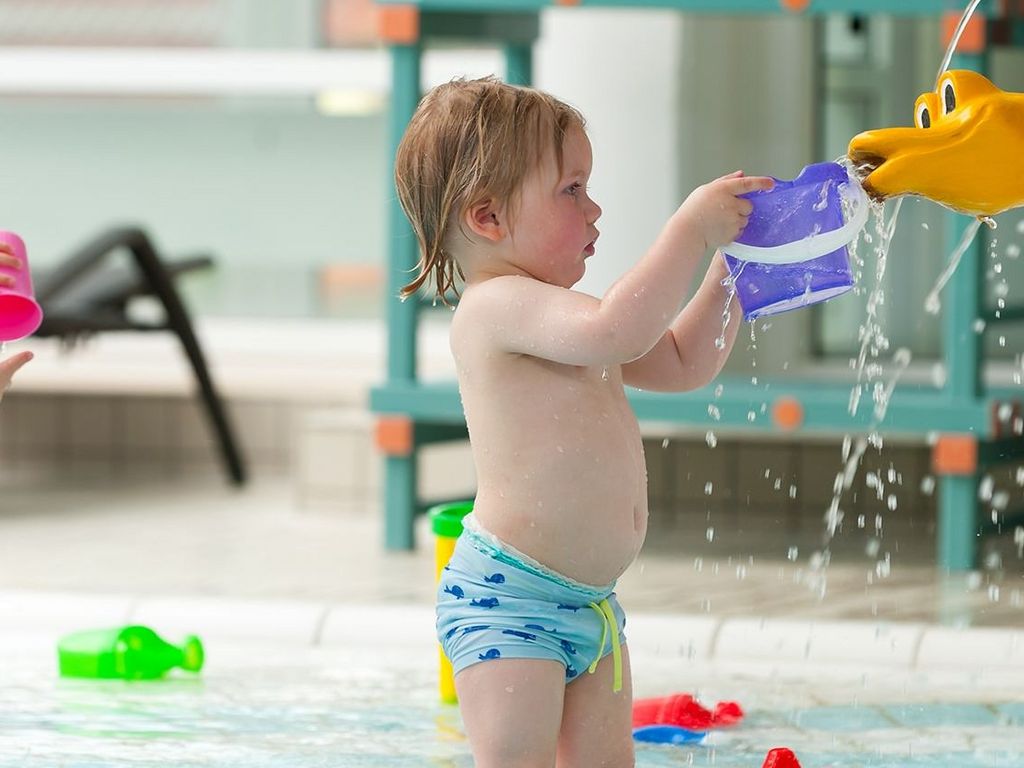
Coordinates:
9 367
7 259
717 210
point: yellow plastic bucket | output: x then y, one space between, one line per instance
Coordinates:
446 522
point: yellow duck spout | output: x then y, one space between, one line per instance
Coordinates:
966 150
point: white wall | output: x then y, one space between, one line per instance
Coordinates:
673 101
619 68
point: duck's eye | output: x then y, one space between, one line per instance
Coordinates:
948 97
924 118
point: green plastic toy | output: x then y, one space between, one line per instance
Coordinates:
128 653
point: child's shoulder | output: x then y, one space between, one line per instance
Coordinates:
498 295
493 303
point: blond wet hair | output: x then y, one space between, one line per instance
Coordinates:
470 141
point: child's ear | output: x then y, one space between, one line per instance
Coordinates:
487 220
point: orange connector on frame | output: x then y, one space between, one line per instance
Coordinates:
955 455
399 24
393 435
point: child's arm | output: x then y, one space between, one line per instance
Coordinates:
687 357
9 367
534 318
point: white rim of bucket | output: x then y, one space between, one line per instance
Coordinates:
811 247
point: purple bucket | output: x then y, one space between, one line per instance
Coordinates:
793 251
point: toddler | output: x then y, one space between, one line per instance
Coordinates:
494 181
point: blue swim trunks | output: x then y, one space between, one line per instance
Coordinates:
493 602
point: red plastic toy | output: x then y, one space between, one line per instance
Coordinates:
683 711
780 757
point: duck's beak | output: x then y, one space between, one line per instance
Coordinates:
902 161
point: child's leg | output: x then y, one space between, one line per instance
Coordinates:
512 710
597 724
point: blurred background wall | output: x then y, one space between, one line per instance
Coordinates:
284 188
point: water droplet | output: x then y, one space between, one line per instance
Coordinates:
708 488
883 568
710 439
604 374
710 534
985 488
792 554
664 443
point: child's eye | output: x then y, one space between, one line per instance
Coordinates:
574 188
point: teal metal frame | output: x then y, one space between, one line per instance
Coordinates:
961 407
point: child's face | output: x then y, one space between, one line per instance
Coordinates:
553 230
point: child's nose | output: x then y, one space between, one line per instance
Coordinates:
594 212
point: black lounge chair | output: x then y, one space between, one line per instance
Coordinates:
88 294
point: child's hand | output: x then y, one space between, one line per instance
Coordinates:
9 367
7 259
718 212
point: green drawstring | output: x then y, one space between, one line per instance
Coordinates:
604 610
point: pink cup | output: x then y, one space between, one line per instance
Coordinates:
20 315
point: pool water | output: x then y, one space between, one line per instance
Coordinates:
276 706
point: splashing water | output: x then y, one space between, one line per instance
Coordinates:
873 342
955 40
932 305
872 337
730 287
